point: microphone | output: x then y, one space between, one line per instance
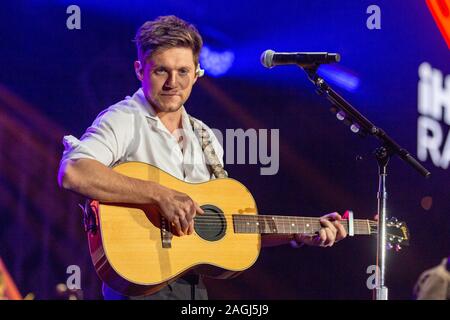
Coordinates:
270 58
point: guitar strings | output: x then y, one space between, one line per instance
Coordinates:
357 223
209 225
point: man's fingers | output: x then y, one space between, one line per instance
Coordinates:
177 226
331 236
333 223
198 209
190 211
341 233
328 224
332 216
184 225
191 227
330 231
180 221
322 237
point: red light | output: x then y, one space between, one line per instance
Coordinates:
440 9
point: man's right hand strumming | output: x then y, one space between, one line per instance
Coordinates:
178 209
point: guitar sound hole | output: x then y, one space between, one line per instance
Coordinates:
211 225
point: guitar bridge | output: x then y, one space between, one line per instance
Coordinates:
166 235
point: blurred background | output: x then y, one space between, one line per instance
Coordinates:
54 81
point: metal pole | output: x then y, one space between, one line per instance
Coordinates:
381 291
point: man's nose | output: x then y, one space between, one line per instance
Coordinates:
171 80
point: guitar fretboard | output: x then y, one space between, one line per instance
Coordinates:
290 225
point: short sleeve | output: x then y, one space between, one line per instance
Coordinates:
106 140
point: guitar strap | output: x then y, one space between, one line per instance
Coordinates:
212 161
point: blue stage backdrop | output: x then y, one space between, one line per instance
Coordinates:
394 67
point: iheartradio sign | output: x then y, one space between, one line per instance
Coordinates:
433 126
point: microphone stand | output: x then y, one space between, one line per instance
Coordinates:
388 148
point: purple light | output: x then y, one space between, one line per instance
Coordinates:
340 77
216 63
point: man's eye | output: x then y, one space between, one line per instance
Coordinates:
160 71
183 72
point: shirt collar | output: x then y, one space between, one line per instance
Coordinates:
145 107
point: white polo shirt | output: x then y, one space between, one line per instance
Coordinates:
130 130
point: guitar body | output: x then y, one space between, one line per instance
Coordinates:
127 246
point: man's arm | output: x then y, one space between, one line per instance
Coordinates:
272 240
94 180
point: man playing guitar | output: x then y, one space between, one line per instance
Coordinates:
153 127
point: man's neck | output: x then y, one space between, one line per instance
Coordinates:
171 120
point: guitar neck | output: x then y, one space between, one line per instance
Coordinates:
289 225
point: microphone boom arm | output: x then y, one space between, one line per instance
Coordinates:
367 126
383 154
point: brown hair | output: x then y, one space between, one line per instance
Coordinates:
167 32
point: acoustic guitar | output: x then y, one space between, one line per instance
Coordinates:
135 253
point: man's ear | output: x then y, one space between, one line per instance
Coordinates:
138 68
199 72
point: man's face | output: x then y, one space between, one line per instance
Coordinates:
167 78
